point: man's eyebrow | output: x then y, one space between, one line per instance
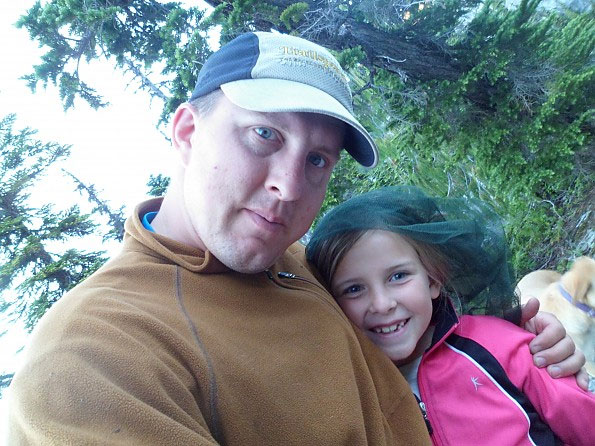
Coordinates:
333 152
269 116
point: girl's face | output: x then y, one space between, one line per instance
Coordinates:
382 286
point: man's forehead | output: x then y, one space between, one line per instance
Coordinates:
284 118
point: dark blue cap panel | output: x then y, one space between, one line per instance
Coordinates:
353 142
233 61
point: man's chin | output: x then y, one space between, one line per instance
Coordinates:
246 253
247 262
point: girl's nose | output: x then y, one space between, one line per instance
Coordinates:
383 302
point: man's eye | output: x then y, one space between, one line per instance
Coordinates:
265 132
316 160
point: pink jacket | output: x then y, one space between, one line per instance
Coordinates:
479 386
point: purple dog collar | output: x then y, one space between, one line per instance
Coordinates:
581 306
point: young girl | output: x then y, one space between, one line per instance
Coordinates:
397 262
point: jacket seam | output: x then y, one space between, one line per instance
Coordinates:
214 423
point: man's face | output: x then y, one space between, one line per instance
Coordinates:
253 182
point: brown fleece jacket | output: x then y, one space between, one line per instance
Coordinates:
165 345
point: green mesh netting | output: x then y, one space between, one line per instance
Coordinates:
467 231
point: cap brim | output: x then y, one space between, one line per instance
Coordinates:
279 95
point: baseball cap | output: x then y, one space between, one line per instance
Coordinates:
272 72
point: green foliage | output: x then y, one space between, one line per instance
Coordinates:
351 57
157 185
115 217
32 260
5 380
247 15
293 14
515 129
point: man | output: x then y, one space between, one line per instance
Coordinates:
209 328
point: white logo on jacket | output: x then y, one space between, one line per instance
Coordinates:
476 382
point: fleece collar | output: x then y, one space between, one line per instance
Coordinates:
188 257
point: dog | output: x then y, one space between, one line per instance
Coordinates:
571 297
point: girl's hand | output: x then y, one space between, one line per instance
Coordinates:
552 347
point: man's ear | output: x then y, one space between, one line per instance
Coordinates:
183 128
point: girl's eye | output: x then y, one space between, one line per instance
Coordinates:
397 276
351 289
316 160
265 132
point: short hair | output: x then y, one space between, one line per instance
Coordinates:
330 252
205 104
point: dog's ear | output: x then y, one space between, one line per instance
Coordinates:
579 281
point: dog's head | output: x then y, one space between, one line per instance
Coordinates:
579 281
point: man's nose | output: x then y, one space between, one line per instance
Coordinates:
286 178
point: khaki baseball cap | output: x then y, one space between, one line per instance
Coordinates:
272 72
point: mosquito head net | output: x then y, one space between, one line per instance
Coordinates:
467 232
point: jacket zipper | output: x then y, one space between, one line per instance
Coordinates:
288 275
422 407
291 276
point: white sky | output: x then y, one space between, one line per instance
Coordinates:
115 148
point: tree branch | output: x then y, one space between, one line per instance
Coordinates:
115 218
144 80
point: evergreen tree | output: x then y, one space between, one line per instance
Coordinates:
36 262
135 35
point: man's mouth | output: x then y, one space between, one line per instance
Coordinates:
390 328
267 221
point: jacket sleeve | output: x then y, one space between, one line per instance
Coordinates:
95 380
564 406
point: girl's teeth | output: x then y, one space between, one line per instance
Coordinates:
390 328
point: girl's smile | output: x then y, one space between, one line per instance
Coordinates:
395 327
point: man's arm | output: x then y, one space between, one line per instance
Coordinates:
552 347
95 381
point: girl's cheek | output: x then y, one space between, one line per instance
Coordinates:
355 310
